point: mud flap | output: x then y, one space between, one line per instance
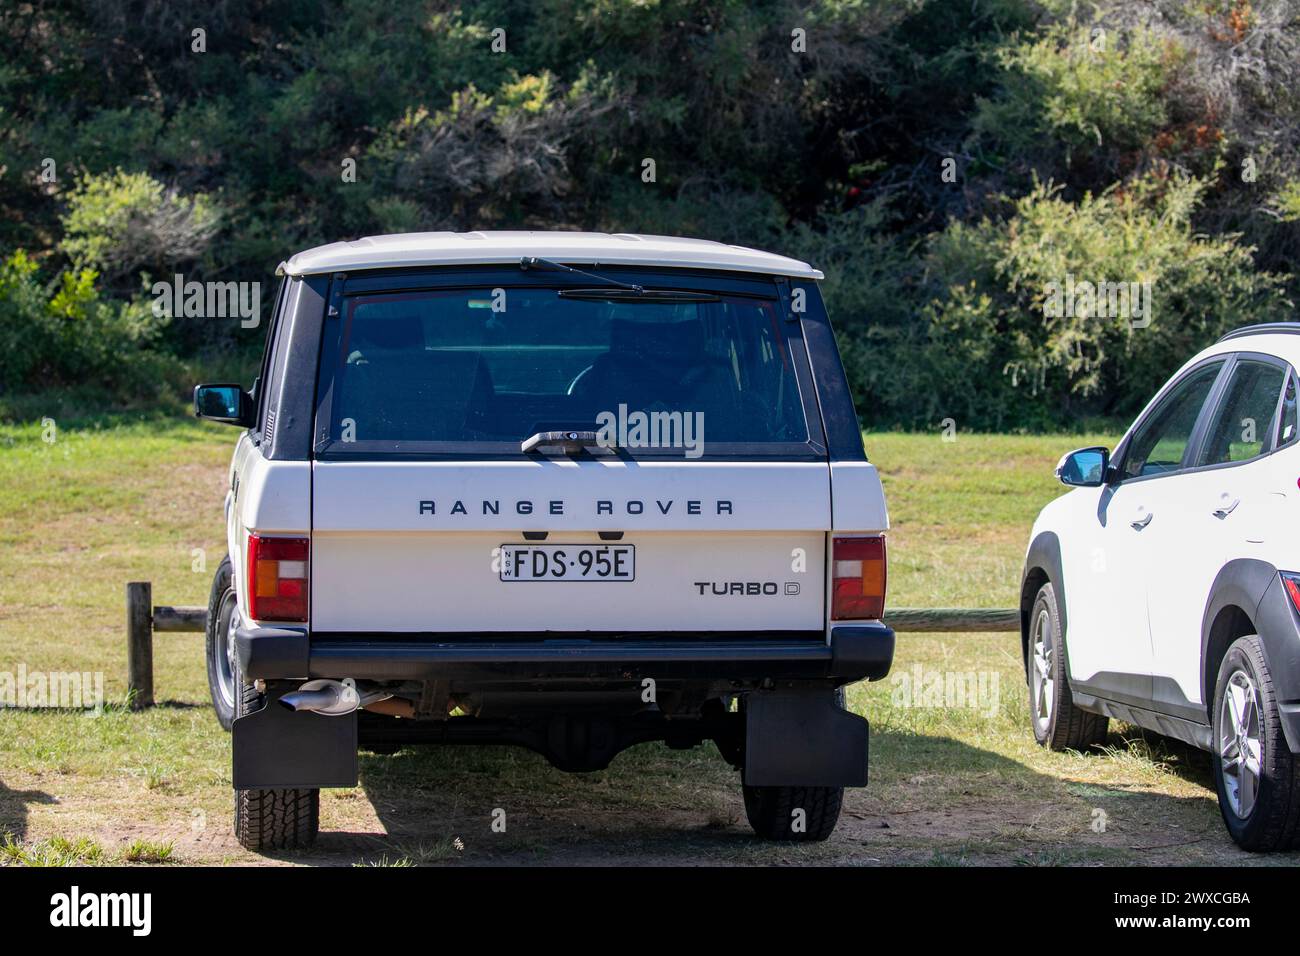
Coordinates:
276 748
803 738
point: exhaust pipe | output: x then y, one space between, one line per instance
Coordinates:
332 698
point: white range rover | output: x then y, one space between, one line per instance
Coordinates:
568 491
1164 591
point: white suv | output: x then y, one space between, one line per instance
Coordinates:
1161 591
569 491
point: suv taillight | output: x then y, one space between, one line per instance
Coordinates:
1291 583
858 578
277 578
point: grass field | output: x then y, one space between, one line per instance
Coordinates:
952 782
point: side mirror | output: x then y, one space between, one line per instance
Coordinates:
1085 468
228 404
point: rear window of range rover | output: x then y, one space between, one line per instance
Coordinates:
484 368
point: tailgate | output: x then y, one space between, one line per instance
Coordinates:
440 546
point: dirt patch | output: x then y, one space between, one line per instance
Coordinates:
445 826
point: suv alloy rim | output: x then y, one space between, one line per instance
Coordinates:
225 657
1042 685
1239 744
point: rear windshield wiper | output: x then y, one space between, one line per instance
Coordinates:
620 291
533 262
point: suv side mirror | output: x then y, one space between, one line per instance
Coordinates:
228 404
1085 468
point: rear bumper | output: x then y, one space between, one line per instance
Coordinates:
855 652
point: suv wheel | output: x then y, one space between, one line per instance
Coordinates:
272 819
1257 778
775 812
1057 723
223 620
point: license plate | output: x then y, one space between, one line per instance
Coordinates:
568 562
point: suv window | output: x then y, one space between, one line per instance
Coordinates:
1287 424
1246 418
1160 442
270 351
499 365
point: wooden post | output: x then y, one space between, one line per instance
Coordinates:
953 620
139 644
167 618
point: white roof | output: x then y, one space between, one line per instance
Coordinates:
571 248
1284 345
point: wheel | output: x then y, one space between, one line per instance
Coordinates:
1058 724
272 819
774 812
223 620
1257 777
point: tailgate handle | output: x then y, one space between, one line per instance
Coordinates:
570 442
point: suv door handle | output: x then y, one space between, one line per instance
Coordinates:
1141 522
1227 509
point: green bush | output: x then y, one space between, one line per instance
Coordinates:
63 334
1286 204
1081 89
120 223
997 353
484 158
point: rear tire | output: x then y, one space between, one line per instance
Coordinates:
1255 773
272 819
794 814
774 812
1056 722
223 618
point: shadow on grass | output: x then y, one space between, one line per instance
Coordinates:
980 807
932 799
14 810
503 804
1185 761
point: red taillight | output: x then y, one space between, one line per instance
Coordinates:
1292 584
277 578
857 578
